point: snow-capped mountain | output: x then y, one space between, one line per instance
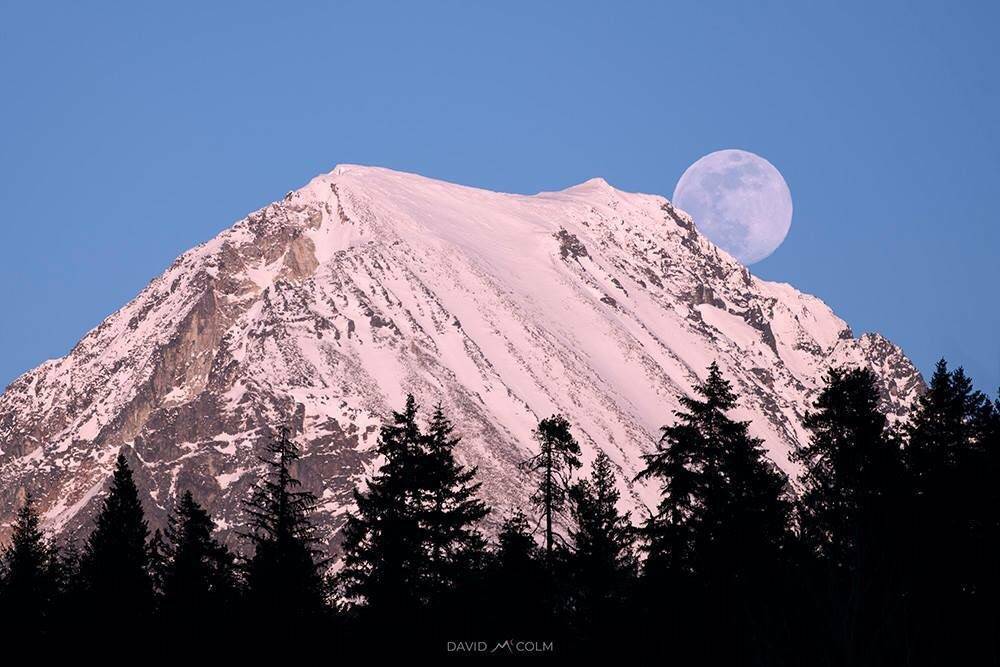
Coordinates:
323 310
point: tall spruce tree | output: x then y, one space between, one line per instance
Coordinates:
716 542
943 426
115 565
383 543
450 510
198 581
987 531
516 577
603 562
850 514
946 454
516 548
283 577
29 578
851 468
723 506
553 466
414 537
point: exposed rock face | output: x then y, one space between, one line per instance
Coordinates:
321 312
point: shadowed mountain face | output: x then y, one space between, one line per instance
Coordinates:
322 311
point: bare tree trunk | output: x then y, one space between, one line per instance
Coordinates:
548 504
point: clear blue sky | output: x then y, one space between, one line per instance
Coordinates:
133 131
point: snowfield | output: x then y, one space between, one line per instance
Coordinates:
323 310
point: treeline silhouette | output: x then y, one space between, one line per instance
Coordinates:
883 551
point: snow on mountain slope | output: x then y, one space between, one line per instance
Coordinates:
323 310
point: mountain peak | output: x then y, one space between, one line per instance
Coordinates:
320 312
362 173
596 183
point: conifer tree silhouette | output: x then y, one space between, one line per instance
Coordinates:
414 537
283 577
948 541
516 548
516 580
198 580
29 579
890 558
724 503
851 466
986 530
383 542
720 528
603 562
450 509
115 565
553 466
850 513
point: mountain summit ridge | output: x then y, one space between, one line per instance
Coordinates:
322 310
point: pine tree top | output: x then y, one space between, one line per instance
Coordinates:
121 522
278 510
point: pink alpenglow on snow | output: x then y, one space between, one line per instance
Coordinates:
323 310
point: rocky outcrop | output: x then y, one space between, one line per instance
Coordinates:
321 311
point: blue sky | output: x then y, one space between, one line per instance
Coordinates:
137 130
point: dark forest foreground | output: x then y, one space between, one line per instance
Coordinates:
885 551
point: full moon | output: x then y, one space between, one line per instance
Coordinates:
739 201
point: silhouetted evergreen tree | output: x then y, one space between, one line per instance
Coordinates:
516 581
850 516
29 577
603 563
717 540
553 467
942 428
198 585
71 602
893 560
517 551
115 565
721 496
850 465
283 577
414 538
986 546
449 510
383 541
946 454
